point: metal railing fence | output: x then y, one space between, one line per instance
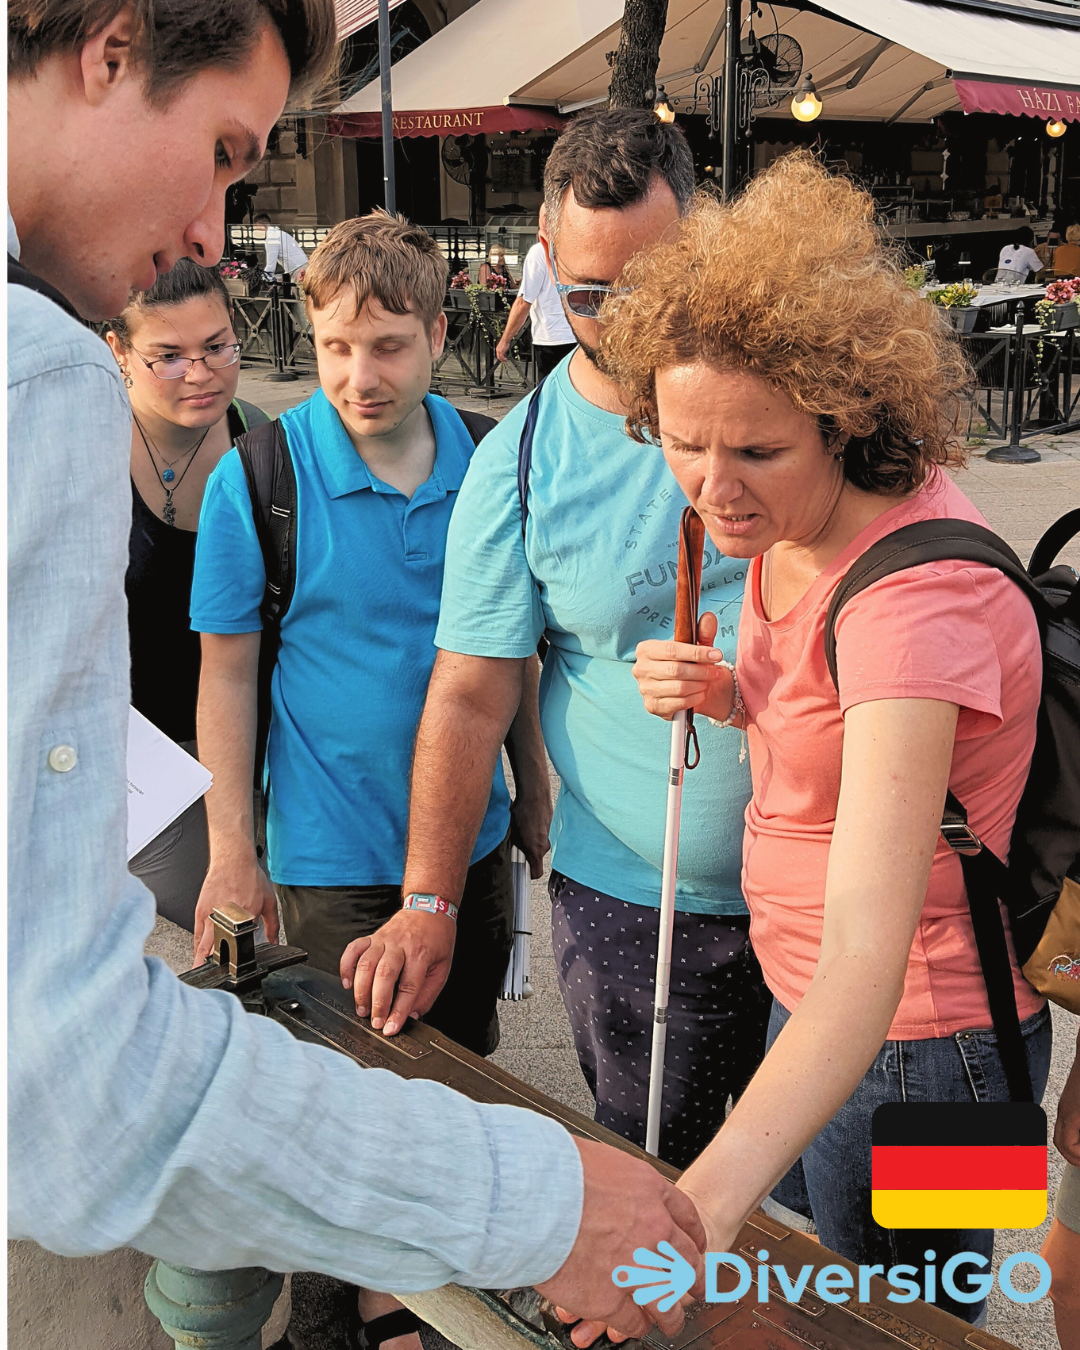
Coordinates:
461 245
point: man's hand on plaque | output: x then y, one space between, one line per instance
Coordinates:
627 1206
399 971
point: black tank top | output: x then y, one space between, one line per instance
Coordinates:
165 653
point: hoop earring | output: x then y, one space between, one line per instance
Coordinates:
128 380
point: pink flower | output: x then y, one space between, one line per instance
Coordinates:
1063 291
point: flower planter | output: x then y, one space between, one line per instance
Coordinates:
962 317
1066 316
236 286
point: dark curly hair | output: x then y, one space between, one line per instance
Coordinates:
186 281
793 282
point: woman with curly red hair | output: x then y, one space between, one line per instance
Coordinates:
806 403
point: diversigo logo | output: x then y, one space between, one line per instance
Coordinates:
664 1277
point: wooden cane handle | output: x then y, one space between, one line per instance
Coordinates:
688 585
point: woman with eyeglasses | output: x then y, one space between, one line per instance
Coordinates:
180 360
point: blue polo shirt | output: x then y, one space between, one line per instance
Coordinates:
596 573
357 643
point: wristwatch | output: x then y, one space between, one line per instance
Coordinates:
429 904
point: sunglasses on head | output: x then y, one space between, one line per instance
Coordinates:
584 300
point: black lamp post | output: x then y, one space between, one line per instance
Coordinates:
389 188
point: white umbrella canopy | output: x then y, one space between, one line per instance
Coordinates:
352 15
492 49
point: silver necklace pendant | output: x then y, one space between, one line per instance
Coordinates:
169 512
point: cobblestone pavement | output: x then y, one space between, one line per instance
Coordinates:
1018 501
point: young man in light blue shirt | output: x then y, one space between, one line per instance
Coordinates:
142 1111
593 569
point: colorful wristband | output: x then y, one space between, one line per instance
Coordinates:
429 904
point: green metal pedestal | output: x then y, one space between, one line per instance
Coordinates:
212 1309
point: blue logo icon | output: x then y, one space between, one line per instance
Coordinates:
664 1277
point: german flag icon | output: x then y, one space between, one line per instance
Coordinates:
959 1165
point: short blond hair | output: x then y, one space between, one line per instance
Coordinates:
794 283
384 258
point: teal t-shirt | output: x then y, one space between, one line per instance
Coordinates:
596 575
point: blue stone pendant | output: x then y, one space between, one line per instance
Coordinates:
168 475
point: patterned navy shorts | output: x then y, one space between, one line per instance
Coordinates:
718 1015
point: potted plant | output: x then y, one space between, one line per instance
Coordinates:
234 275
458 291
915 277
1060 309
956 300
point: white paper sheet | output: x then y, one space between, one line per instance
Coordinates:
163 781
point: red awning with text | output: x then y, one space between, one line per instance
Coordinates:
1019 100
448 122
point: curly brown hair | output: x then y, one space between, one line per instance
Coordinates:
794 282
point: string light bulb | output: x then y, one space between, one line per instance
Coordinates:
1055 128
805 104
662 108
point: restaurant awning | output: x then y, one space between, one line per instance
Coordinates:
458 81
872 60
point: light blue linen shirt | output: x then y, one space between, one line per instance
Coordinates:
143 1112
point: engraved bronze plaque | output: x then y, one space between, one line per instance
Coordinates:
314 1007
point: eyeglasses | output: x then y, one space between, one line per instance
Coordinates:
176 367
585 301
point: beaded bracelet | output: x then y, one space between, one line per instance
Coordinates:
737 705
738 708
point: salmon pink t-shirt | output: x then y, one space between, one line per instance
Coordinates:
953 631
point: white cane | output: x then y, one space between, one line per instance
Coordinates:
691 540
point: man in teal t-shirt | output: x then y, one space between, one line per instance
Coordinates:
594 572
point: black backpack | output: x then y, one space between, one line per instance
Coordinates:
271 479
1040 887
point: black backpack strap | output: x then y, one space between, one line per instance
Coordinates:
1053 541
985 879
18 275
985 876
525 449
476 424
271 479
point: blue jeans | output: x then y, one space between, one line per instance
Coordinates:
831 1181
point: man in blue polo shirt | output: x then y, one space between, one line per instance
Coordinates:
593 568
378 465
